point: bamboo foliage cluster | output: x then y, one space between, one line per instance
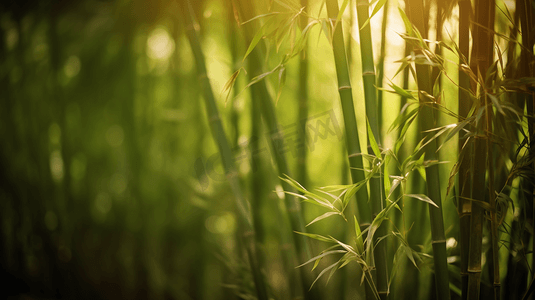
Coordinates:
493 130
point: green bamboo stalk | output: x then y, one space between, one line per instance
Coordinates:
381 65
243 211
351 131
303 107
479 63
440 11
464 207
293 206
350 121
527 23
372 113
428 116
234 43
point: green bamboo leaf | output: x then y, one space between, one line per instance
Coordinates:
345 246
296 185
386 174
376 9
358 237
347 258
230 84
441 131
408 253
257 37
301 42
395 183
341 11
400 91
496 103
436 85
403 117
377 221
423 198
353 190
316 263
395 265
261 76
451 179
340 262
320 256
373 142
325 215
326 29
406 125
323 272
408 23
455 130
334 188
261 16
316 237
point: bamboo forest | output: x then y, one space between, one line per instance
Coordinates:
267 149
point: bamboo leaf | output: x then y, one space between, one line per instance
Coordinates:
373 142
423 198
325 215
408 23
261 16
230 84
320 256
376 9
400 91
455 130
354 189
257 37
316 237
395 183
496 103
323 272
261 76
408 253
341 11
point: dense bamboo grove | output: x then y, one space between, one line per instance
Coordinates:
281 149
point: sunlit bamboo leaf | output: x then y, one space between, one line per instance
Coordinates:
423 198
376 9
325 215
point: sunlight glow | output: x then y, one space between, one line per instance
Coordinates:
160 45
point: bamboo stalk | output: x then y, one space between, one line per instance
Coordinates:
350 121
527 14
293 206
381 66
243 211
351 131
428 117
372 113
303 107
464 207
480 63
234 44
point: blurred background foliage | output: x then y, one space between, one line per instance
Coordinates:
112 186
